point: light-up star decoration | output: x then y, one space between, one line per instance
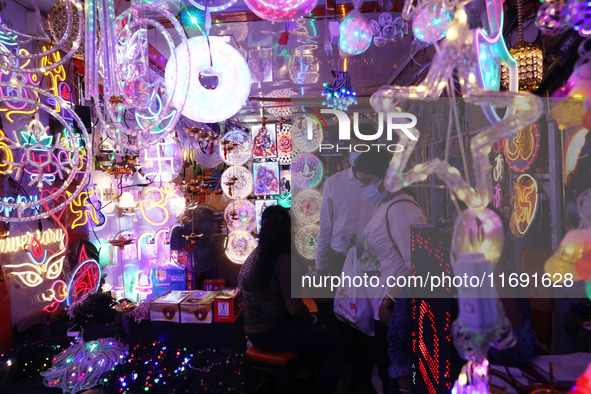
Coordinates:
39 155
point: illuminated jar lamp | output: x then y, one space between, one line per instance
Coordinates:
220 91
478 232
356 34
568 253
553 17
430 23
281 10
529 59
303 67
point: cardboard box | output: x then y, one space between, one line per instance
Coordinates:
198 307
227 305
167 306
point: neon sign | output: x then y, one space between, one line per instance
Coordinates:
159 205
499 168
7 157
85 279
522 150
21 242
497 196
84 210
525 205
55 75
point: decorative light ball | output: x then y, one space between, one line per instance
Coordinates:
580 16
237 182
568 253
478 232
306 241
553 17
356 34
240 215
281 10
306 206
240 245
208 156
306 171
430 24
306 133
235 147
163 161
530 61
162 206
214 93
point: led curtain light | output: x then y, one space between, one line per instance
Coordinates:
205 102
281 10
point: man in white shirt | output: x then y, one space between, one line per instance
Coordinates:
343 215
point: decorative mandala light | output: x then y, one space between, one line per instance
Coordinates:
208 101
306 171
162 162
240 246
235 147
162 206
522 150
213 5
284 144
553 17
306 133
430 23
529 58
240 215
306 241
356 34
525 205
281 10
306 206
237 182
339 93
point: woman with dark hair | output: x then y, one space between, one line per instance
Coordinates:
275 322
384 245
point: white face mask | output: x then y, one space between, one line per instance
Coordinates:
352 157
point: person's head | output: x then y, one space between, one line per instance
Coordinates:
274 240
370 170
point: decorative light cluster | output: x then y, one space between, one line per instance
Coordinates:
430 23
281 10
530 61
553 17
356 34
339 93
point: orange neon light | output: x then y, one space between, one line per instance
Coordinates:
525 204
522 150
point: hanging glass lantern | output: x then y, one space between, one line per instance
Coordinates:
529 58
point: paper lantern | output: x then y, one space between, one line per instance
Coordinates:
281 10
306 171
356 34
240 215
306 206
237 182
162 206
216 92
306 241
569 251
430 23
240 246
235 147
162 162
478 231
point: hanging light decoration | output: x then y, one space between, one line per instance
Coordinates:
529 60
281 10
356 34
430 23
339 93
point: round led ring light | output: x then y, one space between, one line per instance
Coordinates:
306 241
237 182
235 147
215 93
240 215
306 206
240 246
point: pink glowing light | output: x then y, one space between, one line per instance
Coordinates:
281 10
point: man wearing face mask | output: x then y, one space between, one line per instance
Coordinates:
384 244
343 214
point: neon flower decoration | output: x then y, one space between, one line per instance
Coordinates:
356 34
226 66
162 205
525 205
307 171
237 182
306 206
339 93
163 161
85 279
306 241
281 10
240 215
522 150
240 246
430 23
478 231
236 147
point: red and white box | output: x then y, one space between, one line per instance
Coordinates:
227 305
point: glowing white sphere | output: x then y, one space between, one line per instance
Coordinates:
237 182
233 80
281 10
240 215
239 154
240 245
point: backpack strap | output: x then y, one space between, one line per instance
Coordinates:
388 221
